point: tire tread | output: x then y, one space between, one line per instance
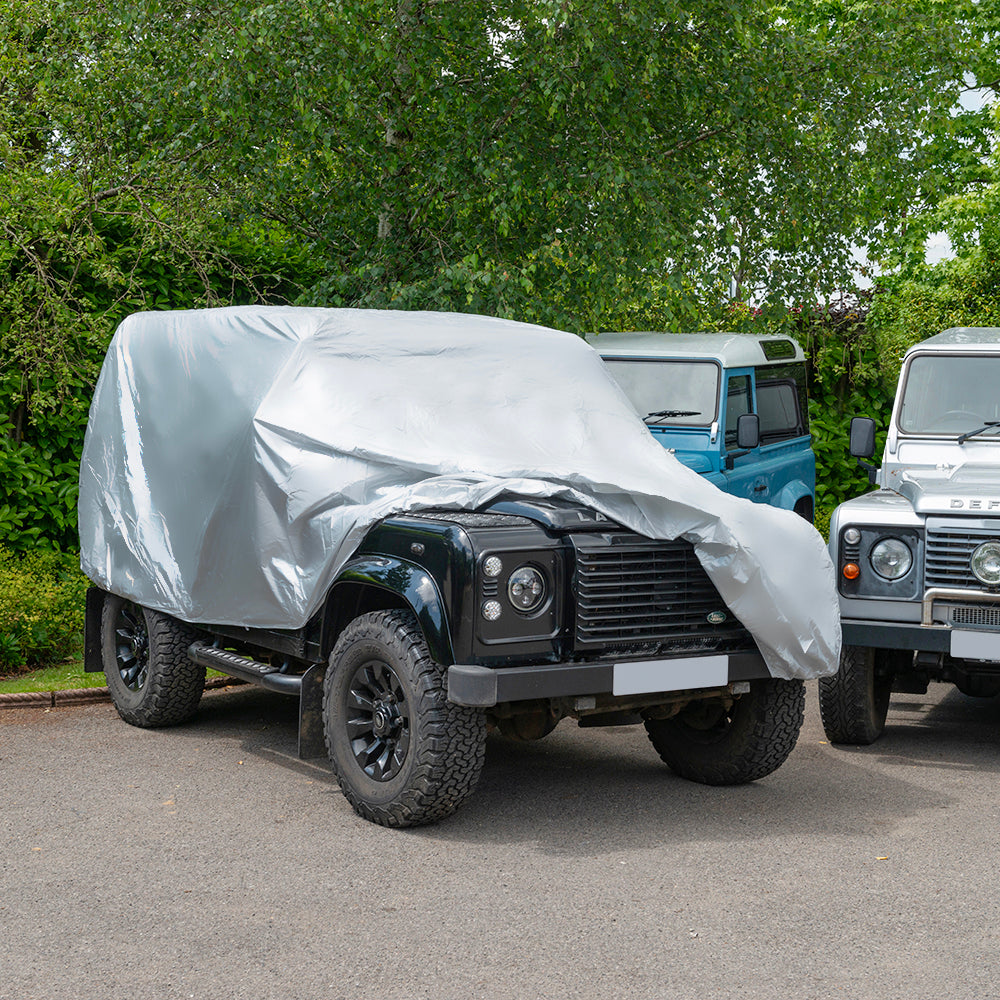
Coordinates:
757 745
174 682
849 706
451 754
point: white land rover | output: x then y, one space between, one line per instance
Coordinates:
918 560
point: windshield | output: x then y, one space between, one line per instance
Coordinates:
690 388
950 394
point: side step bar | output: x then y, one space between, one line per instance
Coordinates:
308 687
247 670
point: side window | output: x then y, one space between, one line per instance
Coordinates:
737 403
778 409
782 401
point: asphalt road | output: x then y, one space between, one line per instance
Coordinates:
208 862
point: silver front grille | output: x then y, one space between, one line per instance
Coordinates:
949 549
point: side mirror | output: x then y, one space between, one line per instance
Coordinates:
862 437
748 430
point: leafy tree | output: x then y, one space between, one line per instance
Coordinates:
588 165
571 161
915 299
93 227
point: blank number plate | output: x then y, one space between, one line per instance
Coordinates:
971 645
670 675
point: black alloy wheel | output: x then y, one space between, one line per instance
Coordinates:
131 645
378 720
404 755
732 741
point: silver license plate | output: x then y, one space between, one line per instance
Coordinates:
646 676
969 645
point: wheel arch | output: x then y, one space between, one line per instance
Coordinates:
796 496
379 583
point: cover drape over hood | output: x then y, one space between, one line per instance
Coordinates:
235 458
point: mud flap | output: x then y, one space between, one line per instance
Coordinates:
311 741
93 660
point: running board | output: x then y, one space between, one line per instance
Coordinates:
246 669
308 687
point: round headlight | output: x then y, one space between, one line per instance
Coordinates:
891 559
526 588
986 563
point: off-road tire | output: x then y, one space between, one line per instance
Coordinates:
854 702
423 754
152 680
707 743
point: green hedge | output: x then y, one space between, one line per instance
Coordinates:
42 598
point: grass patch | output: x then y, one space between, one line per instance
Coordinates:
62 677
69 676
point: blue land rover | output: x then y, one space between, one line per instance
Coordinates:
730 406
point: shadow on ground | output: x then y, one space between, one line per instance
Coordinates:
590 792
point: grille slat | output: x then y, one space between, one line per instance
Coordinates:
657 593
632 592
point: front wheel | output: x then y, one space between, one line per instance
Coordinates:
151 678
403 754
854 702
731 742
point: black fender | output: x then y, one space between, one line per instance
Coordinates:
413 585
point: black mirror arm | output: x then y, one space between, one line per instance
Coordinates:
872 470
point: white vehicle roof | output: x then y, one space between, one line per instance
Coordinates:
960 336
731 350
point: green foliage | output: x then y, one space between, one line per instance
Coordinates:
926 299
38 488
424 149
42 597
919 299
101 215
822 521
915 299
846 381
584 165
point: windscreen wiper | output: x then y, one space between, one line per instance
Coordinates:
962 438
672 413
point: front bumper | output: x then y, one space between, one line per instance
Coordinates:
897 635
927 636
483 687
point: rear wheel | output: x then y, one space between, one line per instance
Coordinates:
854 702
151 678
733 741
804 508
403 754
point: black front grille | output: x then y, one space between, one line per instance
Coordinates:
637 592
949 549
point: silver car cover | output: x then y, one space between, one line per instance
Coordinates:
235 458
